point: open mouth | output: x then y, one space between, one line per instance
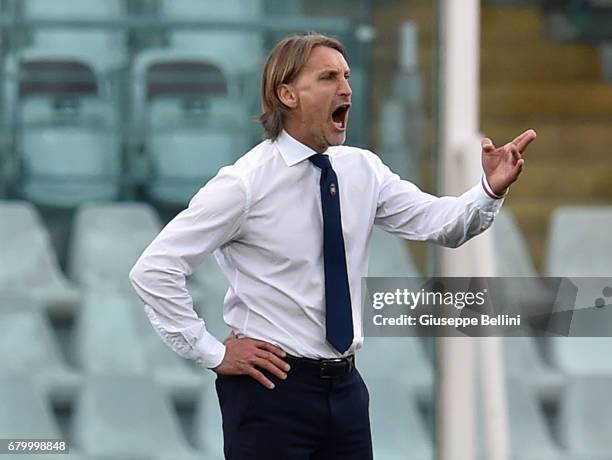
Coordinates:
340 116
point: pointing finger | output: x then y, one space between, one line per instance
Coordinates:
524 140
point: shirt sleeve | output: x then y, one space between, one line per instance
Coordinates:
406 211
212 219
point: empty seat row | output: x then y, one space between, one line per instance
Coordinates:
81 131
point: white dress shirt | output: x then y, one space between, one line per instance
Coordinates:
261 217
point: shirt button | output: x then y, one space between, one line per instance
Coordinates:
199 362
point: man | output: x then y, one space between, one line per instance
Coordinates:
289 224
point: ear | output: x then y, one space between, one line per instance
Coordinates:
287 95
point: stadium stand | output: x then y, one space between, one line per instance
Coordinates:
108 46
523 358
239 51
29 268
574 228
585 422
26 414
398 430
207 426
65 128
107 240
127 416
113 336
38 358
530 436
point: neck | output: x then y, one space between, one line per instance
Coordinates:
302 136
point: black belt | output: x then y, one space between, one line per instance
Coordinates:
327 368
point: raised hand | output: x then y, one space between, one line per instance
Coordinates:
247 356
503 165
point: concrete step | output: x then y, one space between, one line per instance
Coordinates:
564 180
541 62
512 24
582 140
554 101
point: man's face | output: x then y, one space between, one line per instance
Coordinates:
322 100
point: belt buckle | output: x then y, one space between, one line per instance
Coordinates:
329 364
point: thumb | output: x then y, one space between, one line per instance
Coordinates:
487 144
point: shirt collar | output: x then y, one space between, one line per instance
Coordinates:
292 150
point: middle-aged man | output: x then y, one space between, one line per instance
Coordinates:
289 224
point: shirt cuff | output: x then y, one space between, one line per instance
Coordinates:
209 351
489 191
484 201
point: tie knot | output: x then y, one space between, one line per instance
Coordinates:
321 161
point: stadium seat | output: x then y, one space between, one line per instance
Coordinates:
29 351
580 248
188 142
389 256
29 268
239 50
404 359
523 361
189 119
578 244
511 254
26 414
522 358
105 339
209 287
107 45
398 431
114 336
585 422
66 128
530 438
70 152
127 416
107 239
208 423
398 359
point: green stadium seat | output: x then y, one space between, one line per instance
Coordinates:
208 422
106 45
580 242
114 336
69 151
580 248
512 257
530 437
26 414
107 239
584 420
29 268
398 430
127 416
239 50
208 287
188 143
523 361
390 256
29 350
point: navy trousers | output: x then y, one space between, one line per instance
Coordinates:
305 417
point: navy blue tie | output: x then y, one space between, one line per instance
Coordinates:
338 312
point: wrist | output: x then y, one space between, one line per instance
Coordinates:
496 195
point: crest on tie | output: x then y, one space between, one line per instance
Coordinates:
332 189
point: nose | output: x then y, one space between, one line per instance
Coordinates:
345 88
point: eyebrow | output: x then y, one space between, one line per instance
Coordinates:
334 71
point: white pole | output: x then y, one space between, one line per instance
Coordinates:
461 168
